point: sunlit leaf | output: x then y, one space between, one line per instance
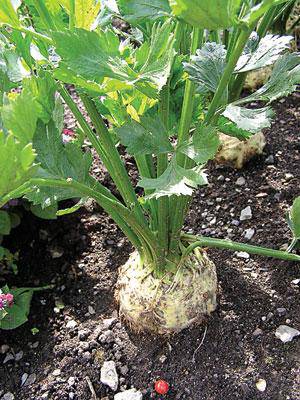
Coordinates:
174 181
268 51
140 11
203 145
252 120
147 137
212 14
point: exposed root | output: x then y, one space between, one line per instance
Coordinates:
170 304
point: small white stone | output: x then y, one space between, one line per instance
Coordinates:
286 333
261 385
8 396
19 355
109 375
246 213
4 348
56 372
131 394
71 324
91 310
249 233
8 357
295 281
24 378
240 181
243 254
71 381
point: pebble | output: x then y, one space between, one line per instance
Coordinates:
30 380
246 213
71 324
281 311
240 181
131 394
4 348
243 254
109 376
257 332
19 355
91 310
288 176
261 385
249 233
56 252
82 334
8 357
107 337
295 281
24 378
8 396
108 322
221 178
270 160
71 381
124 370
56 372
286 333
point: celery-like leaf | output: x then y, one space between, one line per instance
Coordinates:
268 51
230 128
212 14
147 137
203 145
283 80
252 120
207 66
63 162
137 12
174 181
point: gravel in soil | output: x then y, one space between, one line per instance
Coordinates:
74 328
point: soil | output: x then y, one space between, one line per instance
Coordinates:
80 254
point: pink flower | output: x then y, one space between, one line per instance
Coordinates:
10 299
68 135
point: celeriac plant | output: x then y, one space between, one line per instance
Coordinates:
163 91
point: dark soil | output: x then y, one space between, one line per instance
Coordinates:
234 353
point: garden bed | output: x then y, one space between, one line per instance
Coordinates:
80 255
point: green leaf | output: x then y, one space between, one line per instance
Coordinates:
89 57
86 12
207 66
16 163
230 128
283 80
19 116
261 9
63 162
12 65
295 218
203 145
252 120
72 209
174 181
18 313
44 213
5 224
268 51
147 137
212 14
137 12
8 16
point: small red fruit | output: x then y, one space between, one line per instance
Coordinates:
161 387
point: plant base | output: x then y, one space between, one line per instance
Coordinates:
236 153
169 304
256 79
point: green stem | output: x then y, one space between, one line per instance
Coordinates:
241 42
117 170
235 246
162 164
178 204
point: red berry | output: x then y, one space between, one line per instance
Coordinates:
161 387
